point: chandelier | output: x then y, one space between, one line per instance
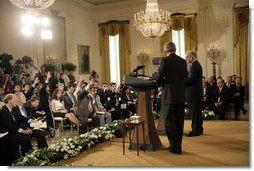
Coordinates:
153 22
32 4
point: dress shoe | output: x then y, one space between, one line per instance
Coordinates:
192 134
176 151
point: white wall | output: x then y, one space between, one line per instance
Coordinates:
214 24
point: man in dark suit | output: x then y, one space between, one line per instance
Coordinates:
171 74
207 94
220 99
45 100
238 97
28 111
194 94
69 99
9 122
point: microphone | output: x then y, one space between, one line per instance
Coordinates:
139 68
135 71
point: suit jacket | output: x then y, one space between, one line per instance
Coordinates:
23 120
193 91
7 124
240 89
44 98
222 96
67 101
82 104
172 74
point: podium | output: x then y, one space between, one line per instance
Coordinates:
144 85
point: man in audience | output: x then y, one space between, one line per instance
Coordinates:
9 122
17 88
194 94
231 88
98 109
238 97
112 102
207 94
1 94
70 100
28 111
220 99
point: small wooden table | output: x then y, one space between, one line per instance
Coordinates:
136 124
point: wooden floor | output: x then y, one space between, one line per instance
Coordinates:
224 143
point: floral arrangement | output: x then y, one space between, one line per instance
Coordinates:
209 115
69 147
206 114
69 66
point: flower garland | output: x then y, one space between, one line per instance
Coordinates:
69 147
206 114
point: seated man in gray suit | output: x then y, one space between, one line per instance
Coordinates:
98 109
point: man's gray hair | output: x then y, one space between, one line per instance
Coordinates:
19 94
169 47
192 53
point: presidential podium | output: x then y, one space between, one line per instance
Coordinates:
143 85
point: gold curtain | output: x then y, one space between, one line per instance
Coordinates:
180 21
113 28
190 33
166 37
241 23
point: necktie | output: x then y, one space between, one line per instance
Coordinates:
24 111
13 115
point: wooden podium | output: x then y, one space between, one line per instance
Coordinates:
144 110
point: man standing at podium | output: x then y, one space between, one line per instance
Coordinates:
171 74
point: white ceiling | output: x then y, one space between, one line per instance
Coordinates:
101 2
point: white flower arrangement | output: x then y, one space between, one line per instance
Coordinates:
69 147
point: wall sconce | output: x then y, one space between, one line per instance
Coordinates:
142 55
213 52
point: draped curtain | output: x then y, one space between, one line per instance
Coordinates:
180 21
241 42
113 28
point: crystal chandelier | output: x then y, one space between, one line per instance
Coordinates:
153 22
32 4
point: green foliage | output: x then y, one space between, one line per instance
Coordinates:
69 66
50 67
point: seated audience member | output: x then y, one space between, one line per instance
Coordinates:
84 108
211 81
103 93
207 94
128 106
58 108
9 122
56 81
233 79
98 110
64 77
17 88
8 84
220 99
29 90
69 99
112 102
27 111
156 96
231 88
238 97
1 94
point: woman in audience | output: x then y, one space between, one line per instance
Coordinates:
58 109
128 105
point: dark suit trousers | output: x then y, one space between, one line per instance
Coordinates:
5 156
174 122
16 140
41 140
196 116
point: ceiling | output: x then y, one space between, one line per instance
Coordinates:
101 2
